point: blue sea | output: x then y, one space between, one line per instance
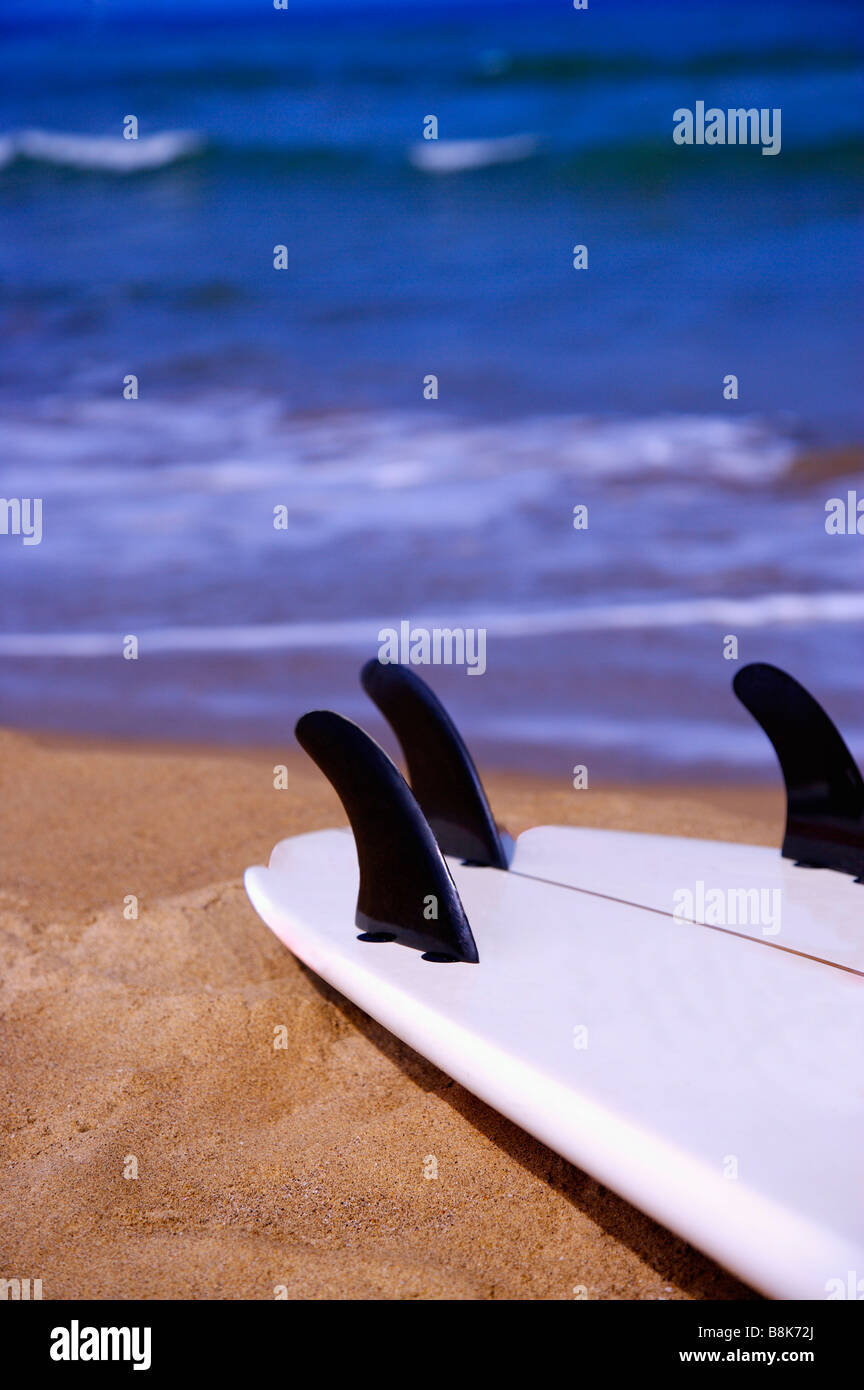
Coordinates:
303 388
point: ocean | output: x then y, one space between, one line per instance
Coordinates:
301 390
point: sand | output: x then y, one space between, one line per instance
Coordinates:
147 1045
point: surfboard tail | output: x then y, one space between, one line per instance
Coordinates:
824 788
406 891
443 777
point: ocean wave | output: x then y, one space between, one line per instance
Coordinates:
569 159
100 153
455 156
248 443
459 66
501 66
760 611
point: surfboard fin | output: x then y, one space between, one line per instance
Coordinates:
406 892
441 770
824 789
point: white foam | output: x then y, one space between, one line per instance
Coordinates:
765 611
455 156
109 153
242 442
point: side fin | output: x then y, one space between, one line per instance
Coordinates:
824 789
402 871
442 772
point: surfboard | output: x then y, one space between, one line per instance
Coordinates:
745 889
707 1071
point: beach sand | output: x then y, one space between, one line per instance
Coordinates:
149 1042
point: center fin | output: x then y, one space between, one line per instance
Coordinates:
442 772
406 892
824 789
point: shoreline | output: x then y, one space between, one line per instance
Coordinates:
152 1040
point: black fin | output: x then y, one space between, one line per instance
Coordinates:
401 866
824 789
442 772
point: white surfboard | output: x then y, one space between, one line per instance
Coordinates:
740 888
684 1019
713 1081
